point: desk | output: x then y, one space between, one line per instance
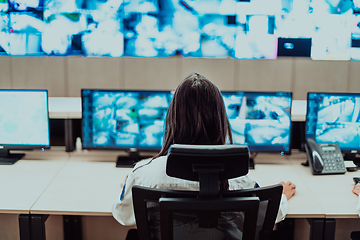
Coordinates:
301 206
332 192
87 184
22 184
83 187
304 205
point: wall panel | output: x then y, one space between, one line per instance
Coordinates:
65 76
95 228
151 73
219 71
103 73
264 75
354 77
54 227
5 77
9 226
319 76
39 73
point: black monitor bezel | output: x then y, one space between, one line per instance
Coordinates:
8 147
119 148
329 93
152 149
251 149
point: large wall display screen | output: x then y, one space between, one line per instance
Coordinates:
243 29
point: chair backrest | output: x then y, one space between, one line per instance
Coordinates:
233 160
208 213
158 211
207 164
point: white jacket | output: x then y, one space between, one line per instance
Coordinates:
152 173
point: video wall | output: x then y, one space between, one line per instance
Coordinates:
242 29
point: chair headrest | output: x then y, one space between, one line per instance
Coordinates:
183 159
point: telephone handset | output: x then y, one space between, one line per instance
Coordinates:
324 158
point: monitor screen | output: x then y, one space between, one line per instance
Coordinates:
121 119
261 120
24 119
334 118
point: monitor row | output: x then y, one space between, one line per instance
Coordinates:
124 119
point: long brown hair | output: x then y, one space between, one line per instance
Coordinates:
196 115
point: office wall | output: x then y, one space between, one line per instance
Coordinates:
66 76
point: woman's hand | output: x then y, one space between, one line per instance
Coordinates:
356 189
289 189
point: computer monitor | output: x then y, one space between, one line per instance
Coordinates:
24 122
260 120
128 120
334 118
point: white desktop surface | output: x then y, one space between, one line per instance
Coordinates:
273 168
87 185
22 183
332 192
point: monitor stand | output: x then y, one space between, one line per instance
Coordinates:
251 160
7 158
130 160
352 157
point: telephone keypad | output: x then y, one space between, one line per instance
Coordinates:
333 162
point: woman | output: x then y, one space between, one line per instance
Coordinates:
196 115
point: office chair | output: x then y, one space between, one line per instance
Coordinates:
208 213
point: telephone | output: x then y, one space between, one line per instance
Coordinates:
324 158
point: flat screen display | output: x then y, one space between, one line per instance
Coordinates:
240 29
24 119
260 120
334 118
124 119
119 119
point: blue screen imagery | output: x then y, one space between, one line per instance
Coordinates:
334 118
124 119
189 28
24 118
260 120
120 119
